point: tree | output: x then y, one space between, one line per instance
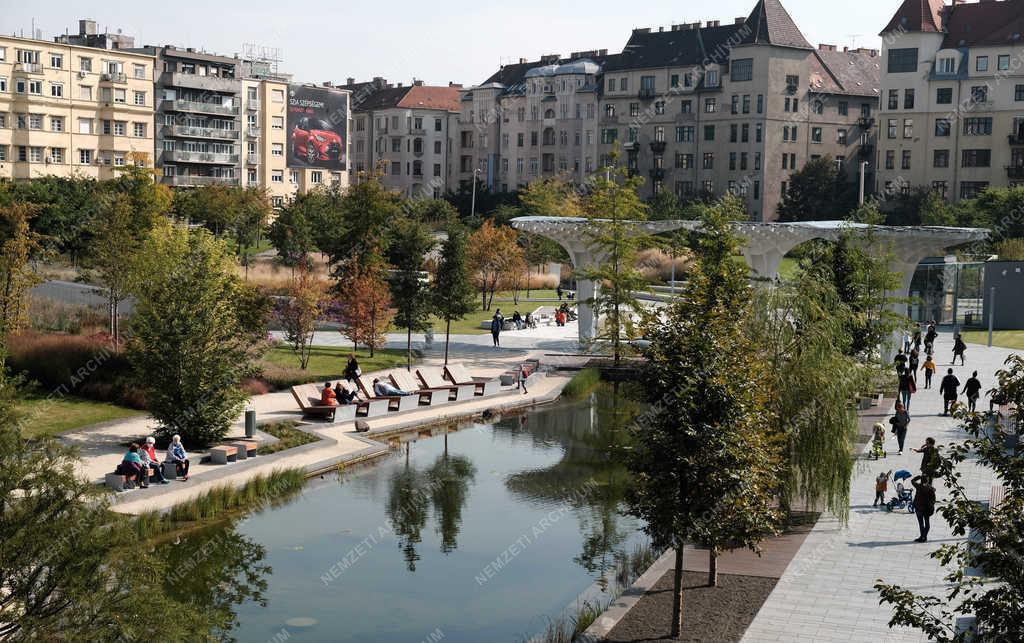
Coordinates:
552 197
704 463
191 348
492 251
537 251
64 209
18 244
664 205
436 213
291 234
367 212
254 211
301 312
216 207
817 191
612 205
453 294
410 243
984 578
486 200
70 567
363 305
935 210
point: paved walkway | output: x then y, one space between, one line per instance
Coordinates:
827 594
101 448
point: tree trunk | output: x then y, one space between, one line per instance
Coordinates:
677 593
712 567
447 336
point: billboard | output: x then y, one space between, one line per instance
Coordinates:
317 127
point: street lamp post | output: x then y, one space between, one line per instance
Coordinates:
863 169
472 206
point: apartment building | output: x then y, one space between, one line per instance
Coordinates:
952 104
405 132
67 109
700 109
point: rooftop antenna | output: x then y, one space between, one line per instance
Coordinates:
853 39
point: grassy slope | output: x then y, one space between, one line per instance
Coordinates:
1005 338
44 417
281 364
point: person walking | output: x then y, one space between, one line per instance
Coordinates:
929 369
497 325
912 362
352 368
900 362
900 421
972 388
924 505
907 387
917 337
558 291
959 348
948 388
929 458
929 338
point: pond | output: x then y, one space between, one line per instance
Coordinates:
482 534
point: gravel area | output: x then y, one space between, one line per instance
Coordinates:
720 614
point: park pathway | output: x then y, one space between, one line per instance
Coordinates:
826 593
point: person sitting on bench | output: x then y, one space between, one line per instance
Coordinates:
131 468
176 454
343 395
385 389
149 462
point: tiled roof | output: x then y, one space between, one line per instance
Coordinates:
916 16
512 75
770 24
985 23
383 98
424 97
845 72
674 48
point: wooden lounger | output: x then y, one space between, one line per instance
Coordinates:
459 374
395 402
308 398
434 378
406 381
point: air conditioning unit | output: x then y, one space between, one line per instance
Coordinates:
82 74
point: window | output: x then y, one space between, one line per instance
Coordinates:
674 80
890 159
760 103
686 106
684 161
56 154
277 122
743 160
609 111
659 107
971 189
746 103
709 132
745 133
139 130
1018 93
981 63
3 54
85 126
711 78
277 149
709 105
85 157
732 160
941 187
277 96
785 133
905 160
757 160
735 104
56 90
608 135
35 87
815 134
818 107
757 133
785 161
979 94
978 126
139 98
940 158
902 60
520 139
56 123
734 133
623 84
634 109
688 79
709 161
891 128
977 158
908 99
942 127
741 70
908 128
120 127
85 92
944 95
684 134
894 99
792 133
843 107
437 147
946 66
139 71
35 121
841 136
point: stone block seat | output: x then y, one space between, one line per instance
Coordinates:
223 454
246 448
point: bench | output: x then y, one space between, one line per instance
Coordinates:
483 386
223 454
246 448
308 398
394 403
433 378
406 381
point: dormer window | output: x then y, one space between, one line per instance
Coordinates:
946 65
711 78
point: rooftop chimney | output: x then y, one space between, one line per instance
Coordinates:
350 81
417 82
642 30
739 21
824 47
522 61
695 25
86 27
713 23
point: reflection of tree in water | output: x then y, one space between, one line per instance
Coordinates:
444 486
591 477
214 570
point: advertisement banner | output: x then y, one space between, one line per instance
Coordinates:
317 126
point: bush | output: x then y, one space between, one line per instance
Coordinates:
1010 249
51 315
582 383
75 364
656 265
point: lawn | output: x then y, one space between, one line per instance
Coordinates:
281 364
1005 338
50 417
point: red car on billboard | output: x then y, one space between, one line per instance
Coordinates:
314 141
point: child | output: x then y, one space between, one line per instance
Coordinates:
881 486
929 369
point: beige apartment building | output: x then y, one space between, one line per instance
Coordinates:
405 133
67 109
699 109
952 104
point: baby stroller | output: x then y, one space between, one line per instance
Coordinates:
904 498
878 442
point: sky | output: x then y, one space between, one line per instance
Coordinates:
458 41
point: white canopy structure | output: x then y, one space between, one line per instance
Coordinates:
766 245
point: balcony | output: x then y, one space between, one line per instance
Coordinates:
631 148
1016 139
866 151
658 147
252 159
200 132
28 68
253 104
253 132
417 131
184 180
199 108
657 173
181 156
204 83
1015 171
118 78
646 93
865 122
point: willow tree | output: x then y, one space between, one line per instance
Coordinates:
613 205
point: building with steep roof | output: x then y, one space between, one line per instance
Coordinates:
404 132
952 111
699 109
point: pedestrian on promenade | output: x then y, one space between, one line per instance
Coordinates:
929 369
900 421
881 486
949 387
906 342
924 505
907 387
558 291
929 338
497 324
352 370
929 458
917 337
959 348
972 388
900 362
912 361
